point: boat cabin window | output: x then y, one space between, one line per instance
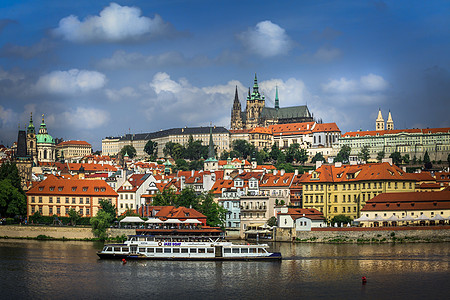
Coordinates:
227 250
193 250
210 250
176 250
201 250
167 250
235 250
251 250
116 249
260 250
141 249
150 250
184 250
125 249
244 250
159 250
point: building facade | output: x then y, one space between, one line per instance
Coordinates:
73 149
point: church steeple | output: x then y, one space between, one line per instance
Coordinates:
43 127
379 122
30 128
390 122
236 119
211 152
277 101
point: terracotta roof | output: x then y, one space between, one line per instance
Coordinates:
270 180
220 184
263 130
136 180
182 213
409 201
442 176
396 131
310 213
265 167
292 128
326 127
67 143
72 187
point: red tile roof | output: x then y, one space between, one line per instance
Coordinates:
396 131
310 213
270 180
74 143
72 187
409 201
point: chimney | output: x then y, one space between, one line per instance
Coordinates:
318 164
337 164
296 172
282 172
275 172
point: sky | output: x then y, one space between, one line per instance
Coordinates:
101 68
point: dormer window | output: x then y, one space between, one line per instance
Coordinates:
74 188
85 188
41 188
60 188
52 188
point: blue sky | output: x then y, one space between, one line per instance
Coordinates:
101 68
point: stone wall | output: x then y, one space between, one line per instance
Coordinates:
441 234
114 232
57 232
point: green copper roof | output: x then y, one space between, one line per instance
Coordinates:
44 139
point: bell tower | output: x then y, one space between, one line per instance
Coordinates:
390 122
255 104
31 140
236 118
379 122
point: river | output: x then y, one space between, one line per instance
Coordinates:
70 270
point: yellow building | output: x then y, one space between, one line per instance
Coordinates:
56 196
72 149
344 189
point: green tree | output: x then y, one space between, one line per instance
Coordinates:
215 214
272 221
13 201
275 152
262 156
341 219
104 218
108 207
364 154
286 167
188 198
396 158
168 149
166 198
405 158
427 161
196 165
128 149
380 156
343 154
178 151
151 148
244 148
181 165
74 216
318 157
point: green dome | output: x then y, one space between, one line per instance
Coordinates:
44 139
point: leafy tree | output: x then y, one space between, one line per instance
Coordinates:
343 154
231 154
405 158
178 151
166 198
300 170
98 152
188 198
302 156
13 201
396 158
286 167
215 214
275 152
364 154
74 216
151 148
341 219
181 164
414 160
36 217
195 150
380 156
318 157
196 165
168 149
262 156
128 149
427 161
104 218
272 221
244 148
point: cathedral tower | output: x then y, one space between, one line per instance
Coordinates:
390 122
31 140
255 104
379 121
236 118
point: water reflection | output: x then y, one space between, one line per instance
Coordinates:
49 269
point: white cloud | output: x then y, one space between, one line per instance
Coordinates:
72 81
85 118
266 39
123 94
367 83
121 60
7 117
115 23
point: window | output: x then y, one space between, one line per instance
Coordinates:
81 200
159 250
193 250
235 250
227 250
40 200
88 211
176 250
85 188
74 188
167 250
184 250
60 188
87 200
73 200
50 199
50 210
335 198
81 211
67 210
58 211
32 199
67 200
58 200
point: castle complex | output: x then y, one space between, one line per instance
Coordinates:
256 114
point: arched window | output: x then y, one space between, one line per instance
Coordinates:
45 154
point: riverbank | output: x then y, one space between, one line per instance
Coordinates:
58 232
428 234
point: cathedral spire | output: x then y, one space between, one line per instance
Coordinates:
255 86
211 152
277 101
31 125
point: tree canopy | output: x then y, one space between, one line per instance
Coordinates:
13 201
364 154
343 154
128 149
318 157
151 148
396 158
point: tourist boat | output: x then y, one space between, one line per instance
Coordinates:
185 248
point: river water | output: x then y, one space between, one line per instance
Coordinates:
71 270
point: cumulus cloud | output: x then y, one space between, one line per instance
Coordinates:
7 117
85 118
367 83
71 82
115 23
266 39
